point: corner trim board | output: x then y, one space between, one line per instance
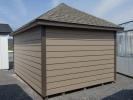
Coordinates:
115 54
43 59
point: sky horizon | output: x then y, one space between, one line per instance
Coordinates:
19 12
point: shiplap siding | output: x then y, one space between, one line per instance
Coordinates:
27 57
55 59
78 58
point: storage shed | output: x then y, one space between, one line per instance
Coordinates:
65 49
4 32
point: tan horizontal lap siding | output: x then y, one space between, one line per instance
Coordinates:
77 42
80 74
27 57
78 80
28 48
28 79
78 69
70 65
32 69
80 85
75 34
78 58
31 53
28 62
78 53
78 48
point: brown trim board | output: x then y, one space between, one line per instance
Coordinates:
63 24
115 53
13 54
43 59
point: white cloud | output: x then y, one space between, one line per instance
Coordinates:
107 5
55 2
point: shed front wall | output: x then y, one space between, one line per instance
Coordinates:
4 62
78 58
27 57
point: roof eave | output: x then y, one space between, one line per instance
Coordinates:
25 27
74 25
64 24
5 28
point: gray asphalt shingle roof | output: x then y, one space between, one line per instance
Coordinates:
5 28
65 13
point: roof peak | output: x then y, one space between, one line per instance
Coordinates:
68 14
62 4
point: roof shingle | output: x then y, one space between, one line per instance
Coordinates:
68 15
5 28
65 13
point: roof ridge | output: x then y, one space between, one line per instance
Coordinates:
61 4
88 14
66 13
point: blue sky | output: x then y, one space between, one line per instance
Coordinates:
18 12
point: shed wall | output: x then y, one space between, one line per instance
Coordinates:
78 58
27 57
4 61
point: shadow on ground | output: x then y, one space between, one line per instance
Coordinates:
121 95
13 92
10 65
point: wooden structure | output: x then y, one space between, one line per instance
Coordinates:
65 49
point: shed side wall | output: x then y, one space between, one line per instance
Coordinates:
78 58
27 57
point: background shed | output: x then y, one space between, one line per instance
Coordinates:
65 49
4 31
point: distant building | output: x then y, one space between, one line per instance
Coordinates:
125 49
5 29
125 40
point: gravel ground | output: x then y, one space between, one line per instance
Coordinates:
12 88
122 89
